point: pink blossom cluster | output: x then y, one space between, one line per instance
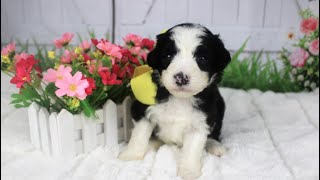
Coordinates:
300 55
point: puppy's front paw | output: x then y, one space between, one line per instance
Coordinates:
189 171
130 155
216 148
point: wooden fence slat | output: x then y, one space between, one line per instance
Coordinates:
55 144
89 135
79 147
100 139
110 124
78 123
45 131
66 134
33 117
127 119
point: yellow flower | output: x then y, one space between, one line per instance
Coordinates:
73 103
6 64
56 65
5 59
78 50
97 55
80 58
51 54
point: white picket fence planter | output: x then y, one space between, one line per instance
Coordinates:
66 135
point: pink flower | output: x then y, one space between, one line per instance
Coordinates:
110 49
135 50
68 57
72 86
64 40
314 47
144 55
309 25
53 75
8 49
132 40
19 57
299 57
85 45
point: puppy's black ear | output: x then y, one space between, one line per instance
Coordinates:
223 57
153 60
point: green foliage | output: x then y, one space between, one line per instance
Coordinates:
251 73
88 110
26 96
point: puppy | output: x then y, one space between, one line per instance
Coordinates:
188 63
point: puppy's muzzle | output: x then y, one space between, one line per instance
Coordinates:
181 79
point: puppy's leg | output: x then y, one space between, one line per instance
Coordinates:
190 164
154 144
215 147
138 143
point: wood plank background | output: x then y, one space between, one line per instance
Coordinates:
266 22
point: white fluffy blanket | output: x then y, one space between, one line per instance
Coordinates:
268 136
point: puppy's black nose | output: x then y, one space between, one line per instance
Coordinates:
181 79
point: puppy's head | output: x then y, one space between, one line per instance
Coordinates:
189 57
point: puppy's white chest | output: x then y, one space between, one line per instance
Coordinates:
175 118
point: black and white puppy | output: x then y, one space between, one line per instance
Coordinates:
190 61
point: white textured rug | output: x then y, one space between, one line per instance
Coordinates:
268 136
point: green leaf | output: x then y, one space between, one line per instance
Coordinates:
239 51
79 37
88 110
51 88
91 34
19 96
141 62
20 106
106 62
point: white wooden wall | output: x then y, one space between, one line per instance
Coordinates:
267 22
46 20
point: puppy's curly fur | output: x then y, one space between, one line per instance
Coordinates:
188 63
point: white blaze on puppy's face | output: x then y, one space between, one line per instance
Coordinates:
184 63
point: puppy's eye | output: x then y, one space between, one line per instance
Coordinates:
169 56
202 59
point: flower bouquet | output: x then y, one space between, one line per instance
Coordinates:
80 79
303 62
